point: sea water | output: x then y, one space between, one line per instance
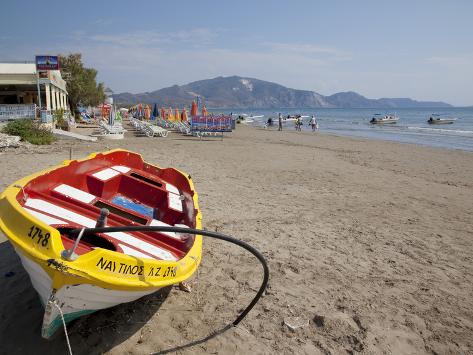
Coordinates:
412 126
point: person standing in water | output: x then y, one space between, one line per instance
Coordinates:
280 122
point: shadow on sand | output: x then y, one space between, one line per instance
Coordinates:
21 316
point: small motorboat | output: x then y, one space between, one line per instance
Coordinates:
437 119
384 119
79 273
246 119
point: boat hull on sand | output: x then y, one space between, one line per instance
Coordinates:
38 212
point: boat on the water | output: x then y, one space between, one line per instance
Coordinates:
384 119
79 273
437 119
244 118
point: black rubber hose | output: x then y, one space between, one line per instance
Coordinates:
205 233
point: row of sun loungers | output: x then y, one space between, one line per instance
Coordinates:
184 128
149 129
161 126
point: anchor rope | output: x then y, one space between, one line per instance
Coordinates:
64 324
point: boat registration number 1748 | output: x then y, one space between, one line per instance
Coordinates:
36 234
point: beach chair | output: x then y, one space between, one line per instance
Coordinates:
85 118
106 129
156 131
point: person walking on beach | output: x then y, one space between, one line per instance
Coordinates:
280 122
298 123
313 123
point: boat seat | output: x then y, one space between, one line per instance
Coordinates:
73 193
45 211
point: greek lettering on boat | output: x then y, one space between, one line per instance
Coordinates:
138 270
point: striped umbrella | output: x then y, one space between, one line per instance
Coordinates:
140 110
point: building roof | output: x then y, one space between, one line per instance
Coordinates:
17 68
25 73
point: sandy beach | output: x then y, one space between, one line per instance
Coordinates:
370 243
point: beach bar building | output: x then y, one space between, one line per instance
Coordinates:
19 86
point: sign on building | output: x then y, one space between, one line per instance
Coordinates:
47 62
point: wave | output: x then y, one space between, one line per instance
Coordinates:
451 131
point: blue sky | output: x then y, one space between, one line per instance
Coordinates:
418 49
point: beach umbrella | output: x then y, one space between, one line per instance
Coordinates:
170 114
155 111
194 109
111 116
147 112
177 115
184 115
163 114
140 110
204 111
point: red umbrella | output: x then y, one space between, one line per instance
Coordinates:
204 111
163 114
194 109
177 115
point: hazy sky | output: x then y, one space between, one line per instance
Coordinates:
417 49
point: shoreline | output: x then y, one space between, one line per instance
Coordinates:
412 126
368 241
362 138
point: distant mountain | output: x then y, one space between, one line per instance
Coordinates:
351 99
238 92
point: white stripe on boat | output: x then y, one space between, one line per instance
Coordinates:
172 188
106 174
74 193
174 202
45 218
90 223
60 212
121 168
142 245
134 252
155 222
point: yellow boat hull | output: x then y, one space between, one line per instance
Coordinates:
95 280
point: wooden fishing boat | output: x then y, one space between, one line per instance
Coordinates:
75 275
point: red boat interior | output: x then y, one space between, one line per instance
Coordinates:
134 193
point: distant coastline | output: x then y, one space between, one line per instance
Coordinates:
237 92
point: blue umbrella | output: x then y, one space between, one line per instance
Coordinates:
155 111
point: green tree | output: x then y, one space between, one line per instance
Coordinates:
81 82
